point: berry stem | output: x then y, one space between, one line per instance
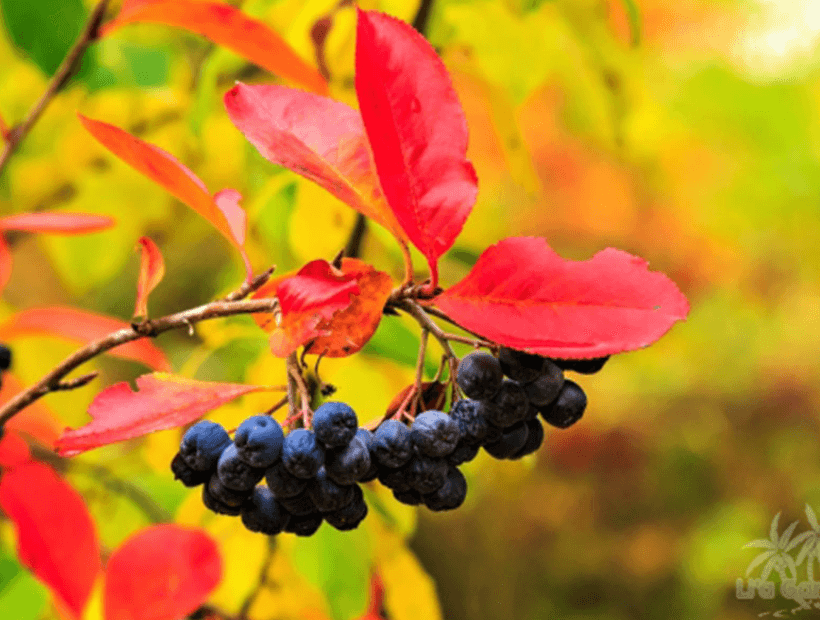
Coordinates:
418 313
277 406
297 382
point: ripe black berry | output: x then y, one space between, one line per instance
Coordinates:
217 506
328 496
392 446
434 433
520 366
545 388
304 525
301 453
259 441
426 474
463 453
585 367
5 357
226 495
479 375
366 438
349 464
451 494
235 473
300 505
507 407
395 479
335 424
283 483
471 422
410 497
262 513
350 516
512 440
568 408
202 445
535 437
185 474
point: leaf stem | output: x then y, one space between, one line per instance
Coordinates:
67 68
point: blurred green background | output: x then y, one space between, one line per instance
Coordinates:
686 132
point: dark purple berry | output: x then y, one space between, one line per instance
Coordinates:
202 445
479 375
335 424
471 422
545 388
185 474
217 506
435 433
300 505
410 497
235 473
451 494
520 366
263 514
535 437
508 407
568 408
5 357
463 453
259 441
349 464
395 479
426 474
228 496
349 517
328 496
302 455
366 438
304 525
283 483
512 440
392 446
584 367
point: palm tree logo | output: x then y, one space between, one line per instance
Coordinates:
777 547
811 544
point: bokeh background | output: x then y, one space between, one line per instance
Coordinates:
682 131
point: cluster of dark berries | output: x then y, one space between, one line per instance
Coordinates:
5 360
505 396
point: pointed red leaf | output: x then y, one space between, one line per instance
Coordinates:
60 223
227 26
5 263
82 327
317 137
162 401
163 572
13 449
523 295
56 538
36 420
222 210
314 294
417 132
152 269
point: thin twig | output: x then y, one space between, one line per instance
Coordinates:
416 402
73 384
69 65
277 406
51 381
250 287
295 373
441 315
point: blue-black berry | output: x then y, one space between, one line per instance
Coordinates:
5 357
435 433
350 516
235 473
262 513
520 366
216 505
471 421
328 496
366 438
259 441
283 483
185 474
304 525
224 494
545 388
449 495
463 453
335 424
300 505
568 408
392 445
349 464
585 367
426 474
302 455
512 440
535 437
411 497
479 375
202 445
508 407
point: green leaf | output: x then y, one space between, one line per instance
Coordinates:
633 16
22 597
46 29
339 564
394 340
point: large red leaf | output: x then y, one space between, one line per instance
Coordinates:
13 449
82 327
56 538
417 132
60 223
314 294
321 139
222 210
163 401
163 572
228 26
152 269
523 295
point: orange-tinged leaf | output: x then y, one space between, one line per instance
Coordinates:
162 401
83 327
433 396
59 223
13 449
152 270
163 572
5 263
222 210
350 329
319 138
56 538
227 26
36 420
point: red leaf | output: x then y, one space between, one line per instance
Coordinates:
152 269
36 420
227 26
163 401
5 263
319 138
348 330
523 295
221 210
82 327
163 572
306 299
417 132
56 539
60 223
13 449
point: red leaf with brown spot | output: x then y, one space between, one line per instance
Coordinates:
59 223
162 401
417 133
228 26
56 538
152 269
521 294
82 327
163 572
